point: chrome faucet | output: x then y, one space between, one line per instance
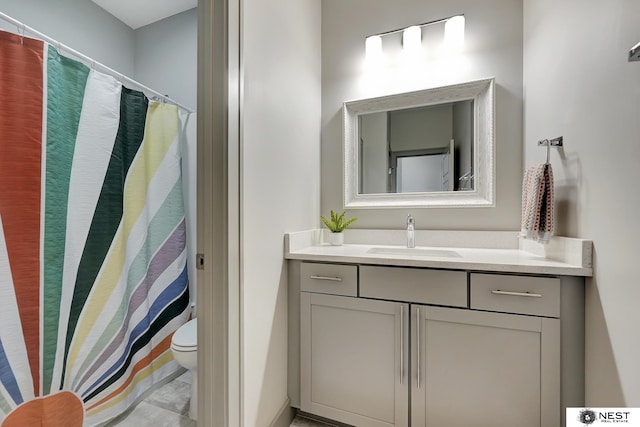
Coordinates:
411 238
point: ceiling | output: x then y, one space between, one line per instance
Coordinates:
138 13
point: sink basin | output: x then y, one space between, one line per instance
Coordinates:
443 253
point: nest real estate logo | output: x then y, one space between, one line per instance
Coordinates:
580 417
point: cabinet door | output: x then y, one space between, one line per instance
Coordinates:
473 368
354 360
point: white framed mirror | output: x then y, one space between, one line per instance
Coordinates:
428 148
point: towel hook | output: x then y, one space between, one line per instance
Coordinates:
555 142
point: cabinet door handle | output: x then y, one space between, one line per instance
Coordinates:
402 344
331 279
418 321
516 294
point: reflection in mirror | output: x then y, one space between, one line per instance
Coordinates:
416 150
429 148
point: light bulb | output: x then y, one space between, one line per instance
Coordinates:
454 33
412 39
373 48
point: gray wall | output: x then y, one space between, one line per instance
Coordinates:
166 56
579 85
79 24
420 128
280 185
375 153
493 49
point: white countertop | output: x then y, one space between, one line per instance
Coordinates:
503 252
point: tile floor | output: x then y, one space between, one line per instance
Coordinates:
299 421
168 406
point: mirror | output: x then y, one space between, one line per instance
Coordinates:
430 148
416 150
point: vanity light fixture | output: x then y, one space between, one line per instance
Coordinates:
412 37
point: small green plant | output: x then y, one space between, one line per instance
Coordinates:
337 223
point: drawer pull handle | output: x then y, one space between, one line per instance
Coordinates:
331 279
402 344
419 362
517 294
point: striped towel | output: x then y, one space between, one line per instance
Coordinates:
538 203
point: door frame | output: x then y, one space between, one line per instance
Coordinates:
218 229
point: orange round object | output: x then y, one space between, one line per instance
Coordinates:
61 409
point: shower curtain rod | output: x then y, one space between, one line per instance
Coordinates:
59 46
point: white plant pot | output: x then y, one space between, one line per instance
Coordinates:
335 239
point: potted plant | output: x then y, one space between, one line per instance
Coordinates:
337 224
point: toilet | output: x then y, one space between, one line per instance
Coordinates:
184 346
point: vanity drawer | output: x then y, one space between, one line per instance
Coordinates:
335 279
538 296
425 286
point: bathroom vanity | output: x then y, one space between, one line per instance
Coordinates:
486 334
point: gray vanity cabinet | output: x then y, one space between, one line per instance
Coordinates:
474 368
354 359
395 346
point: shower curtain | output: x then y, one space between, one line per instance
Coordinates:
93 278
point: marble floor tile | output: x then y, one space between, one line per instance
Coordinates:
173 397
146 414
185 378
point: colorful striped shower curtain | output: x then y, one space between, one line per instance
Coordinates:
93 278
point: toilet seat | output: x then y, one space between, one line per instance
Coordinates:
185 339
184 349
